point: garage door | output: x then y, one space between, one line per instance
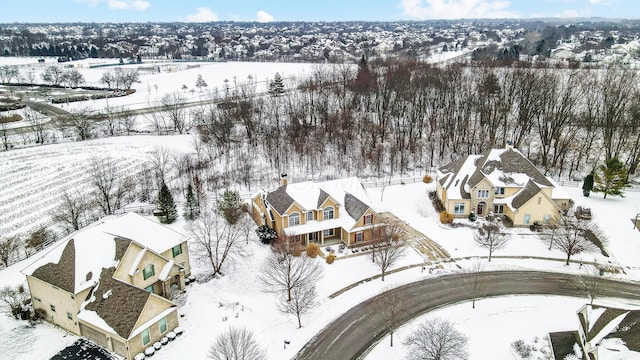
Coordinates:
93 335
118 347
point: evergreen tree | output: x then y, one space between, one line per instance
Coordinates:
266 234
610 178
276 86
200 83
230 206
587 185
166 205
191 206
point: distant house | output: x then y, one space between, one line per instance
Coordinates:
609 333
111 282
334 211
502 182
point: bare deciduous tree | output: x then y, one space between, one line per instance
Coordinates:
282 272
13 299
592 281
8 246
81 122
491 236
110 186
174 106
474 280
436 339
391 246
236 344
303 298
161 158
217 241
38 124
71 211
389 308
570 237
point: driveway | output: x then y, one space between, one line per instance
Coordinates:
83 349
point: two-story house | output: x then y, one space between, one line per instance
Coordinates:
329 212
501 181
111 282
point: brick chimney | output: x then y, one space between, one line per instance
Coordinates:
283 179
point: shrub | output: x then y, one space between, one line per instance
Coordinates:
331 258
427 179
266 234
297 250
522 349
446 218
10 118
313 250
472 216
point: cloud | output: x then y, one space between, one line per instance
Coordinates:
263 16
202 14
568 14
139 5
456 9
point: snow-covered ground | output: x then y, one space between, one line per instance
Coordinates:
31 177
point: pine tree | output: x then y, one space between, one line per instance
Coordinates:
276 86
610 178
191 208
166 205
230 206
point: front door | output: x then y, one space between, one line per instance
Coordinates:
313 237
480 208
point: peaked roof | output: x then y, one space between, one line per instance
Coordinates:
117 303
355 208
529 191
501 167
77 262
604 322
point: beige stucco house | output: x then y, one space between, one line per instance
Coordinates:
111 282
609 333
329 212
500 181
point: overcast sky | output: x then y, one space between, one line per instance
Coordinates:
304 10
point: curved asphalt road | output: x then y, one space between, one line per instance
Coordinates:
349 336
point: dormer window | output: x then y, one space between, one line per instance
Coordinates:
294 219
367 219
499 191
148 271
309 215
328 213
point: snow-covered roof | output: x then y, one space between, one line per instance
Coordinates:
348 193
507 168
77 261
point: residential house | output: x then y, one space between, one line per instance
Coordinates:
609 333
329 212
112 281
502 182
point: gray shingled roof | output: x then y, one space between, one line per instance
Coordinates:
530 190
122 245
464 194
279 199
628 330
61 274
321 198
512 161
122 308
355 208
454 166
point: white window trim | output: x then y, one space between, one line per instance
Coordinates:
325 212
460 208
291 217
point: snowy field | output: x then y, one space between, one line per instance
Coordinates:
31 179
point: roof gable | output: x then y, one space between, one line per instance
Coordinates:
322 197
279 199
527 193
354 207
62 273
117 303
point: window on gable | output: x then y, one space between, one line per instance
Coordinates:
146 337
328 213
483 193
539 200
367 219
163 325
148 271
294 219
499 191
177 250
